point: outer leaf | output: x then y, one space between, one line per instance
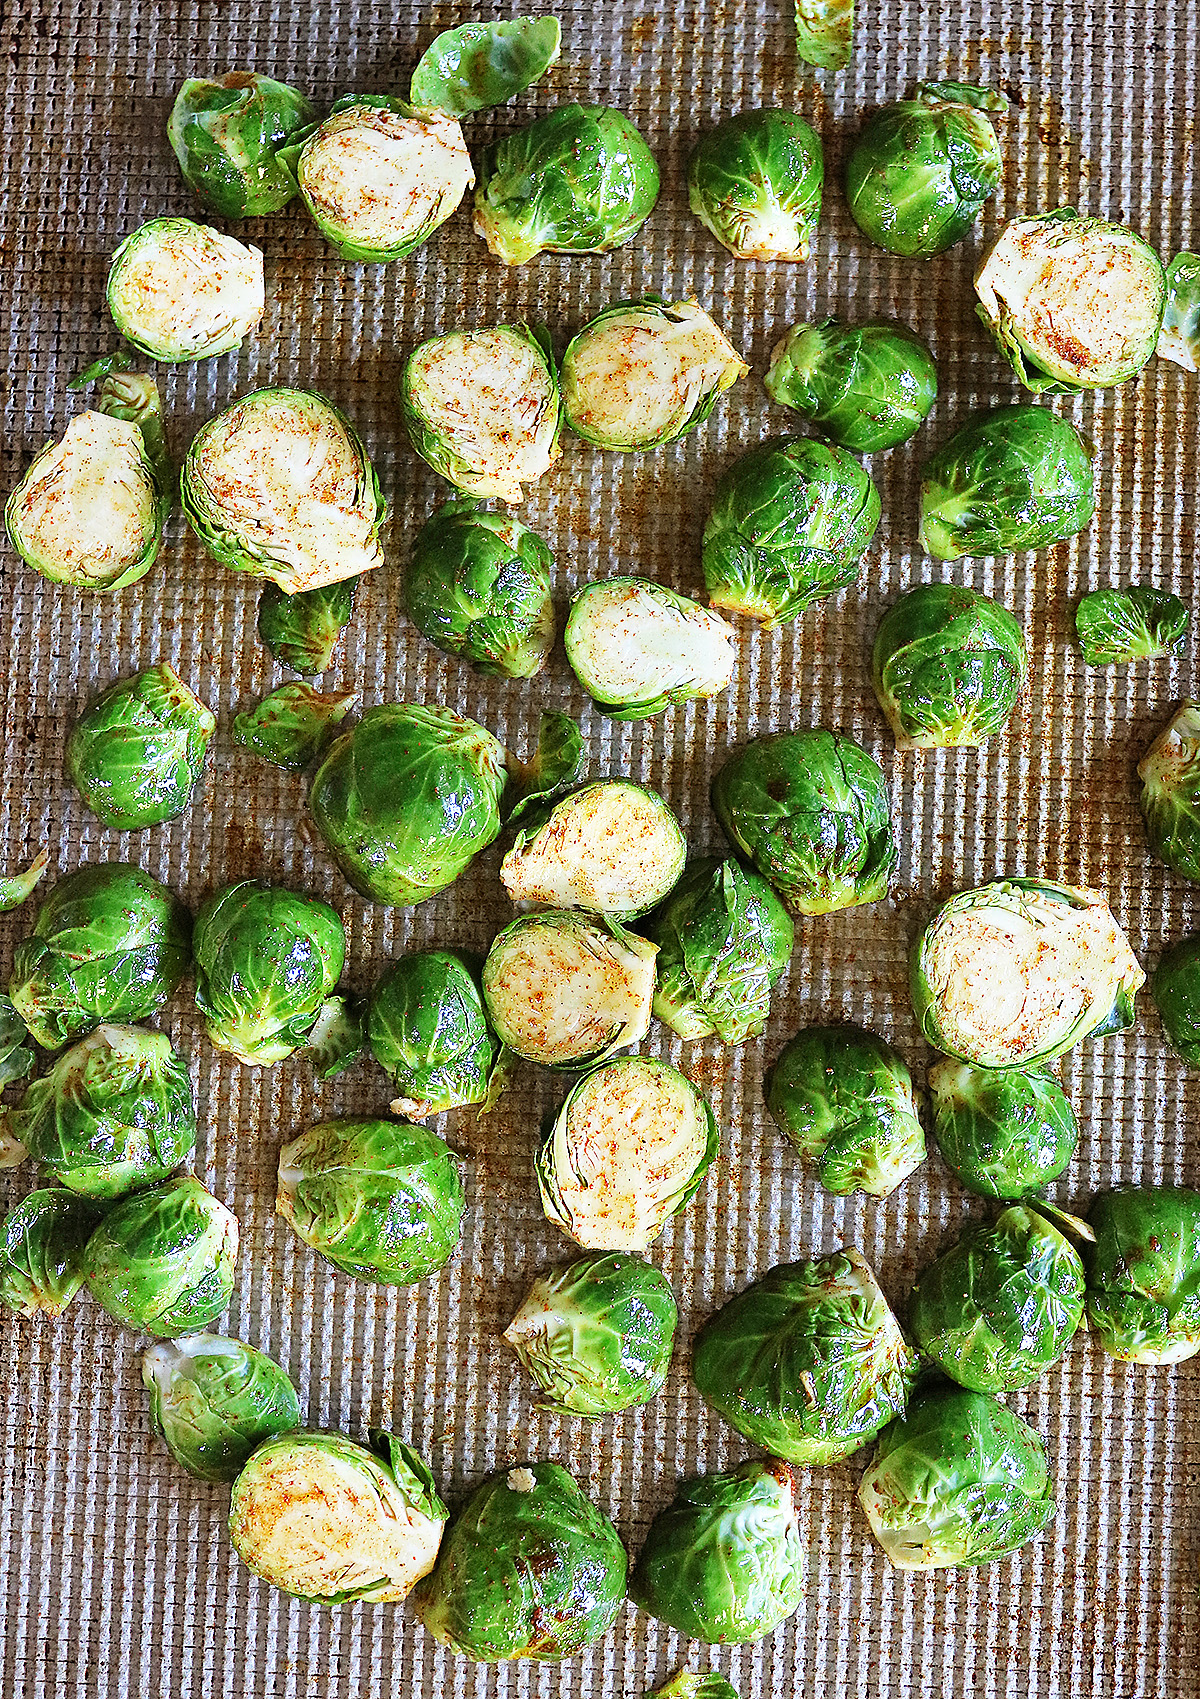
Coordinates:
1134 624
689 1684
556 764
292 725
480 65
1179 339
336 1039
17 888
16 1058
302 630
824 32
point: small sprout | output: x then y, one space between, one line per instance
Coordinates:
690 1684
16 1063
293 725
336 1038
755 181
42 1245
19 887
428 1029
302 630
1003 1132
214 1400
1143 1273
227 133
1170 775
556 764
1134 624
824 32
1179 338
1175 988
182 291
477 66
639 648
162 1261
866 387
948 667
611 848
136 753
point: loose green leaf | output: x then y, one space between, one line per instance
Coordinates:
1135 624
689 1684
1179 338
291 726
16 889
555 765
42 1245
824 32
480 65
302 630
337 1039
119 360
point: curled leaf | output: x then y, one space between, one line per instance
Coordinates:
336 1039
291 726
555 766
16 889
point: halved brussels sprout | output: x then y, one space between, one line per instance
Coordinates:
293 724
1143 1273
330 1521
163 1261
1003 1132
479 65
302 630
790 522
136 753
808 1362
42 1245
1175 988
948 667
755 181
529 1568
556 764
182 291
638 648
1134 624
824 32
429 1032
596 1335
1179 338
227 133
1013 973
1073 303
844 1099
16 1063
1170 775
612 848
214 1400
628 1150
866 386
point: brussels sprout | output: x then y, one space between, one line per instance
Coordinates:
723 940
724 1563
1003 1132
42 1243
1143 1273
134 397
922 169
478 586
330 1521
1134 624
556 764
227 133
16 1063
482 408
291 726
596 1335
110 944
182 291
755 181
302 630
17 888
1175 988
808 1362
136 754
213 1400
429 1032
578 180
162 1261
611 848
1013 478
1013 973
336 1038
378 1199
628 1150
529 1568
824 32
948 667
644 373
1179 338
689 1684
1170 775
790 523
480 65
957 1480
1073 303
638 648
844 1099
865 387
407 799
809 811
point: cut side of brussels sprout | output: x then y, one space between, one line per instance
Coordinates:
1135 624
227 133
948 667
638 648
213 1400
162 1261
476 66
1175 988
1170 775
1179 338
865 387
611 848
1003 1132
428 1030
43 1241
825 32
136 754
290 727
182 291
755 181
1143 1273
302 630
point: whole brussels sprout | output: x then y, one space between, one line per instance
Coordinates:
407 799
1134 624
824 32
136 754
1179 338
1143 1273
866 387
809 811
380 1200
612 848
42 1244
480 65
596 1335
428 1030
182 291
162 1261
948 667
213 1400
922 169
790 522
957 1480
529 1568
1013 478
1175 988
844 1099
578 180
1003 1132
292 725
302 630
227 133
1170 799
755 181
638 648
808 1362
110 944
330 1521
723 940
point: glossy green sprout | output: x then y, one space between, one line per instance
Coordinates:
293 724
163 1261
16 1063
136 754
639 648
42 1245
227 133
611 848
755 181
1003 1132
302 630
1133 624
213 1400
1143 1273
475 66
1175 987
1170 775
429 1031
1179 338
183 291
866 387
948 667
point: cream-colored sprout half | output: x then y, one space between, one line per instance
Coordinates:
639 642
562 991
379 179
87 506
611 848
183 291
490 398
1171 759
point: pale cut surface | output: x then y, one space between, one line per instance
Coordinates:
558 995
637 643
188 289
381 179
487 394
88 504
612 848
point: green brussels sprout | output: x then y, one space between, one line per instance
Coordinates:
957 1480
755 181
1143 1273
1003 1132
808 1362
1014 972
997 1309
611 848
182 291
724 1562
1134 624
1170 775
844 1099
292 725
922 170
790 522
16 1063
948 667
1175 988
596 1335
380 1200
723 940
529 1568
578 180
213 1400
227 133
638 648
336 1038
627 1151
556 764
824 32
477 585
809 811
644 373
302 630
1179 338
689 1684
163 1261
330 1521
136 753
866 387
406 800
429 1032
1072 303
17 888
1012 478
482 408
480 65
42 1243
110 944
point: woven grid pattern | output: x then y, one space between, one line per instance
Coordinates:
115 1574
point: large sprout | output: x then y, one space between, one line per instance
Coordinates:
639 648
1179 338
163 1261
1143 1273
1003 1132
755 181
866 387
948 667
1170 799
293 724
227 133
1175 988
214 1400
43 1241
612 847
302 630
1134 624
182 291
428 1030
136 753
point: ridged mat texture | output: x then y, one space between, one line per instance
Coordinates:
116 1576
